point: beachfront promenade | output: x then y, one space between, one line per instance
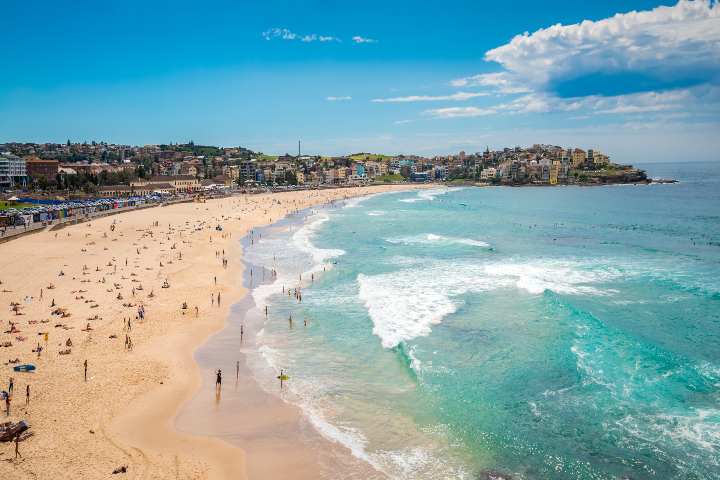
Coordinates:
13 232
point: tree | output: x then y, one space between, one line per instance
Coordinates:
290 177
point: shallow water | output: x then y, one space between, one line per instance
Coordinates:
557 333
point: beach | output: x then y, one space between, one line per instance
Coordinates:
116 307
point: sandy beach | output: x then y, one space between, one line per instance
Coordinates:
134 295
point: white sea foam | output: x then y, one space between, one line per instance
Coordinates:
536 277
376 213
433 239
302 239
355 201
401 312
351 438
428 195
291 258
406 303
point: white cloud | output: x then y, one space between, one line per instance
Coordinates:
677 40
704 99
359 39
698 99
681 42
500 81
338 99
677 44
458 112
285 34
459 96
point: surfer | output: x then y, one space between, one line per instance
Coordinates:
282 377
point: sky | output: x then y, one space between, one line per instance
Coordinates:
638 80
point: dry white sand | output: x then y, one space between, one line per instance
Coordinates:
123 413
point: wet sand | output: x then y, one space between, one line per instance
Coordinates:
244 414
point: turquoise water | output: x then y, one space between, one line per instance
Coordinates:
539 333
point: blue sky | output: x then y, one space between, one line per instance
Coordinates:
639 80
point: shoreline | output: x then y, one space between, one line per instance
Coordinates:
272 421
124 415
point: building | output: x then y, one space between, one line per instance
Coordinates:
232 172
600 159
488 173
590 159
554 172
12 170
115 191
247 169
169 183
420 176
38 168
578 158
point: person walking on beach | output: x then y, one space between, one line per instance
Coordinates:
27 395
17 446
218 299
11 385
242 332
237 370
218 379
85 363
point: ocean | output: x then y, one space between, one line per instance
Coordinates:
526 333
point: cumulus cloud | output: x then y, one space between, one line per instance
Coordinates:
359 39
680 43
679 40
285 34
459 96
338 99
